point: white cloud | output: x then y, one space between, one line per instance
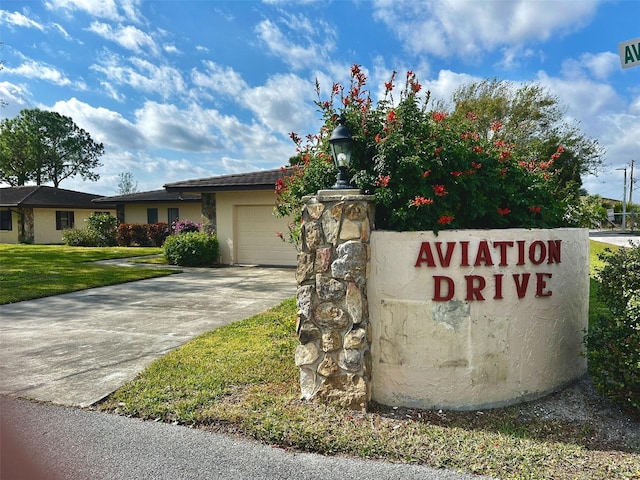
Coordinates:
165 126
446 83
62 31
107 9
312 45
599 66
220 79
14 98
128 37
467 28
171 49
17 19
141 74
104 126
40 71
282 103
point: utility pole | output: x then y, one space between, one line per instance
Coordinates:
633 210
631 182
624 200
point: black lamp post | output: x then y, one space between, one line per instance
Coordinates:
341 146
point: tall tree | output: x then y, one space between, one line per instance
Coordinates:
533 120
126 183
42 146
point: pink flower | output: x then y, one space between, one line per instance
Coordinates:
445 220
503 211
439 190
383 181
439 116
419 200
496 126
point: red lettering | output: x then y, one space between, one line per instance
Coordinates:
541 284
445 260
437 290
465 254
554 251
498 287
483 255
521 286
425 255
503 251
474 292
520 252
542 252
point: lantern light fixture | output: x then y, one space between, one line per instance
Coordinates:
341 149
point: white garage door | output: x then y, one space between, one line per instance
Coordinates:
256 239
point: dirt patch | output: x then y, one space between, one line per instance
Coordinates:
576 414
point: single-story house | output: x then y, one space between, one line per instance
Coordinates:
154 206
39 213
240 209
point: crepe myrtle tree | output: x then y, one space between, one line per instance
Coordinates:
42 146
430 168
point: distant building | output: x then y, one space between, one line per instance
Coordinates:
39 214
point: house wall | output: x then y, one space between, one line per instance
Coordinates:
226 208
44 222
10 236
137 212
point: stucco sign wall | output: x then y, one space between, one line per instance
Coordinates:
476 318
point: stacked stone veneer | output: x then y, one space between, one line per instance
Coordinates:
333 319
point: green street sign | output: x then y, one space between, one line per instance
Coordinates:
629 53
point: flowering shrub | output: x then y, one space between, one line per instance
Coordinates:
185 226
142 235
427 169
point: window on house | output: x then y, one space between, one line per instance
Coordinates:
64 219
173 215
152 215
5 220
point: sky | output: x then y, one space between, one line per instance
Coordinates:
179 90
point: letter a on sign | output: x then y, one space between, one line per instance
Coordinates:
629 53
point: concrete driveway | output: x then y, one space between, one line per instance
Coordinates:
75 349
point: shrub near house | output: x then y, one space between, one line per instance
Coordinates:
189 246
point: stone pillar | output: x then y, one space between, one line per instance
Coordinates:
333 319
208 204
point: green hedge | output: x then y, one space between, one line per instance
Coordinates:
193 249
613 341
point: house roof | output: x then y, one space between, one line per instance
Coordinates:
45 197
261 180
150 197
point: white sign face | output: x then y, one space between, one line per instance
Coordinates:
629 53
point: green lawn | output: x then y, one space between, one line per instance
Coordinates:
241 379
34 271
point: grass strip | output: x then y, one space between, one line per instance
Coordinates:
36 271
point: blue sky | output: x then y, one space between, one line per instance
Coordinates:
178 90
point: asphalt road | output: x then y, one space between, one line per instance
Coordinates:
48 442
